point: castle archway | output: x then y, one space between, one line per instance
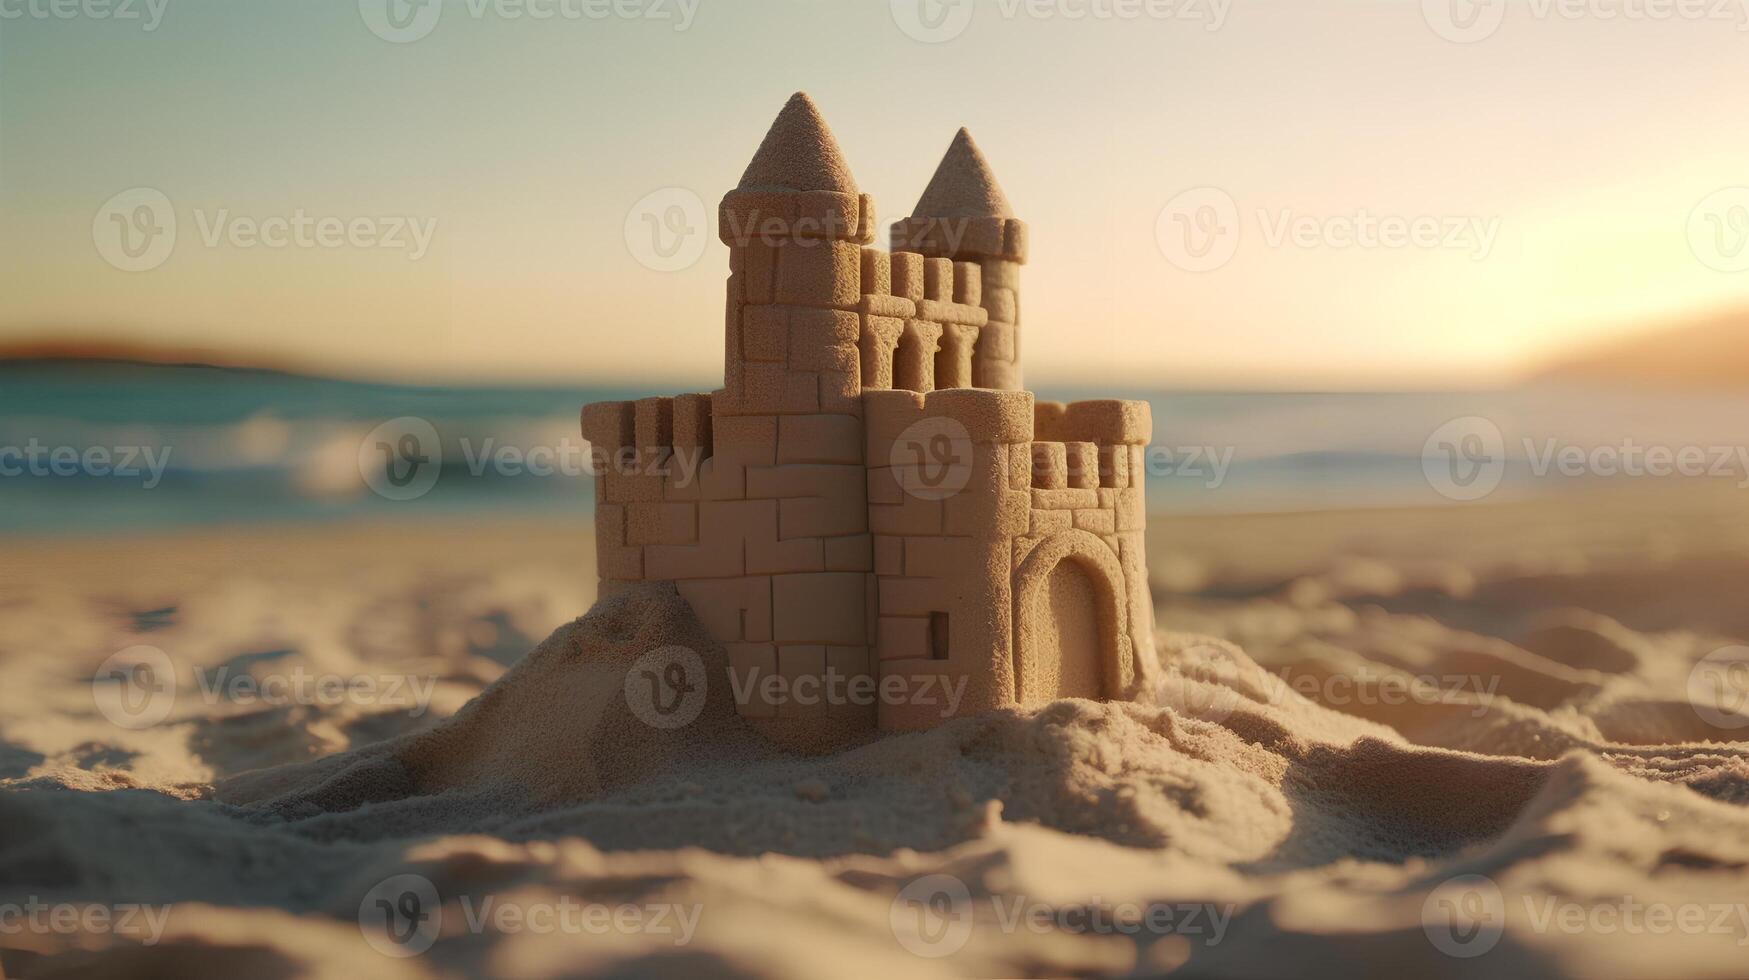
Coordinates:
1071 626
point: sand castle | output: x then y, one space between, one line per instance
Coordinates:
878 512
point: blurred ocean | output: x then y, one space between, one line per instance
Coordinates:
97 447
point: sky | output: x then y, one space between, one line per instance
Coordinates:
1304 194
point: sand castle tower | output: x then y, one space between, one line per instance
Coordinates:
879 524
964 216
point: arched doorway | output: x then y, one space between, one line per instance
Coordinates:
1070 630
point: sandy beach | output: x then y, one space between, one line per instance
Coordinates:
537 489
1479 741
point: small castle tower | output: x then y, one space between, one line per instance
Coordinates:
881 527
794 226
964 216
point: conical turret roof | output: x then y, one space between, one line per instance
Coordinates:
799 154
963 185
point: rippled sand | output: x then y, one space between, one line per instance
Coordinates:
1484 741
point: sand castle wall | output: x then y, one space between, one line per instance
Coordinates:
802 549
780 504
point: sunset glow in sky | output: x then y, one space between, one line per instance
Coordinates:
468 198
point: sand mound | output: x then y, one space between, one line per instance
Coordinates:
1286 822
1327 780
558 728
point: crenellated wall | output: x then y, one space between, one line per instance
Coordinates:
801 547
871 495
767 540
1100 495
921 321
942 554
996 248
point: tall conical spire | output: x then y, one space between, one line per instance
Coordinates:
799 154
963 185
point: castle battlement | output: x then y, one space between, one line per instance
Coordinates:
872 494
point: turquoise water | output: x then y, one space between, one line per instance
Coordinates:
100 447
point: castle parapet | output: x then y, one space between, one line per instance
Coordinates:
1106 421
1118 430
980 237
918 331
748 217
872 496
984 414
1065 466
